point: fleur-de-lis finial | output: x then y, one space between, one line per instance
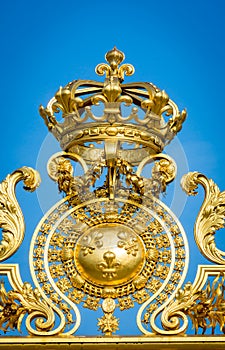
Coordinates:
111 91
115 57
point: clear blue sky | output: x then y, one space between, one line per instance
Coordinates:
177 45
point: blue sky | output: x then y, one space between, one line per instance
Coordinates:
177 45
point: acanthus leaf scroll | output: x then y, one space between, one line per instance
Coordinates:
11 217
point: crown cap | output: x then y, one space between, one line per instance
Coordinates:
151 121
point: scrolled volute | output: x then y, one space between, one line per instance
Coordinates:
11 216
211 215
16 304
174 319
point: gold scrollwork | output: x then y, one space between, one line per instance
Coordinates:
16 304
211 216
111 242
23 301
11 216
171 277
163 172
204 307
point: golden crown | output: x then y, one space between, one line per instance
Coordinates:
143 129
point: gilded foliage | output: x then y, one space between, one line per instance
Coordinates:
206 307
11 217
211 215
15 304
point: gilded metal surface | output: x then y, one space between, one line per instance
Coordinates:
111 255
114 343
11 217
122 253
204 306
81 126
111 244
211 216
22 300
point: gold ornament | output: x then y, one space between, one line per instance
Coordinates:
111 244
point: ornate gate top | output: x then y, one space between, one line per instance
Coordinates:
110 244
151 123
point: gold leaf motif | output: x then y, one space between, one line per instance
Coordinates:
125 303
141 296
154 285
204 307
15 304
92 303
76 296
11 217
211 216
175 123
66 102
